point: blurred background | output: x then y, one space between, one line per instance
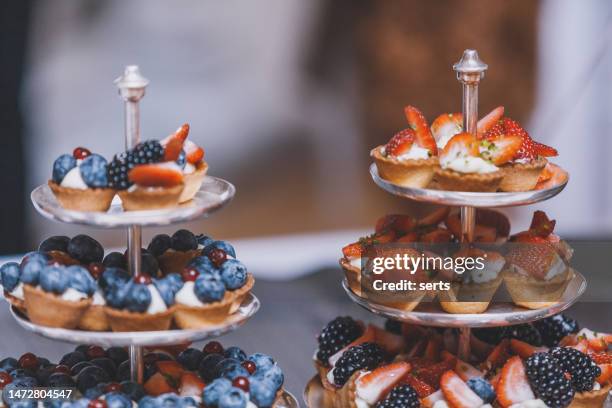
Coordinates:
288 97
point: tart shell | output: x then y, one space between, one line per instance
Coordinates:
523 288
353 275
175 261
124 321
591 399
150 198
472 182
241 293
456 300
91 199
416 173
94 319
210 314
193 182
522 176
50 310
17 303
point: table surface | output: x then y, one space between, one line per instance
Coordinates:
286 327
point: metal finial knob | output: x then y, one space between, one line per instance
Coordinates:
131 84
470 67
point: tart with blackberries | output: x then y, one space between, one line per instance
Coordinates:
173 253
80 181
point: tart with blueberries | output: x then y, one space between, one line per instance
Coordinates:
173 253
59 295
140 303
12 286
191 161
80 181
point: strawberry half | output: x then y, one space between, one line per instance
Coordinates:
461 144
602 357
498 356
401 224
159 384
530 149
501 149
191 385
193 153
422 388
156 175
457 393
400 143
523 349
432 373
513 387
486 123
173 144
418 123
378 383
446 126
541 225
606 373
467 371
537 259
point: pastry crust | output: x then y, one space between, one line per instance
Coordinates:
210 314
591 399
457 299
92 199
193 182
416 173
175 261
524 288
241 293
346 396
94 319
17 303
50 310
472 182
150 198
125 321
353 275
522 176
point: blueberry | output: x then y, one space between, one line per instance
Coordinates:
116 295
35 256
138 298
183 240
85 249
225 246
61 166
31 266
9 276
24 404
8 364
233 398
123 371
133 390
60 380
106 364
81 280
209 289
55 243
213 391
175 281
25 382
149 264
83 348
93 171
233 274
95 392
189 402
236 353
190 358
483 388
182 159
113 277
44 362
117 400
117 354
159 244
204 265
208 367
148 402
54 279
115 260
230 369
20 372
43 374
73 358
273 374
78 367
204 240
167 290
90 376
262 361
80 403
261 392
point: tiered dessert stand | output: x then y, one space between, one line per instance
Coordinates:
470 70
214 194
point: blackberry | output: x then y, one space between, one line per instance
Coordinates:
554 328
393 326
402 396
581 367
150 151
335 335
548 381
366 356
524 332
147 152
490 335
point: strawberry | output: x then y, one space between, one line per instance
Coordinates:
193 153
156 175
418 123
399 223
432 350
191 385
170 368
436 236
422 389
173 144
432 373
498 356
431 399
457 393
461 144
541 225
582 346
497 129
378 383
530 149
544 150
601 357
393 344
569 340
490 120
513 387
353 250
501 149
524 350
536 260
606 373
467 371
409 237
400 143
434 218
446 355
160 384
446 126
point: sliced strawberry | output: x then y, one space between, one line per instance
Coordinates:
498 356
191 385
582 346
544 150
446 355
598 344
434 218
156 175
422 388
409 237
432 373
160 384
369 335
541 225
496 130
173 144
436 236
433 348
399 223
502 149
601 357
536 260
513 387
491 119
457 393
529 149
353 250
524 350
378 383
400 143
430 400
193 153
418 123
462 144
170 368
393 344
606 373
467 371
569 340
446 126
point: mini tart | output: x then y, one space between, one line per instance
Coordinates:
469 298
175 261
150 198
210 314
416 173
47 309
94 319
591 399
193 182
523 289
241 293
451 180
346 396
17 303
522 176
126 321
323 371
91 199
352 274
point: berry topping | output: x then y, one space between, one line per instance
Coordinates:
190 274
402 396
418 123
156 175
513 386
209 288
249 366
94 171
213 347
80 153
147 152
55 243
217 256
190 384
5 379
446 126
61 166
173 144
85 249
97 403
95 352
378 383
581 367
194 153
366 356
432 373
548 381
501 149
96 269
422 388
399 223
61 368
459 145
482 388
183 240
142 279
400 143
458 393
29 361
524 332
138 298
491 119
159 244
336 335
242 383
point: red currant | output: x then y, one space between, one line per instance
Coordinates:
5 379
80 153
142 279
96 269
64 369
190 274
113 387
213 347
97 403
95 352
217 256
242 383
28 361
249 366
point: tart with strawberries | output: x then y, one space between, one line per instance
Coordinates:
409 158
80 182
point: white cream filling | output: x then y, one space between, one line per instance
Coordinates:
355 262
157 304
415 153
467 164
186 296
440 404
489 272
557 268
74 180
189 168
98 298
18 291
73 295
535 403
330 376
